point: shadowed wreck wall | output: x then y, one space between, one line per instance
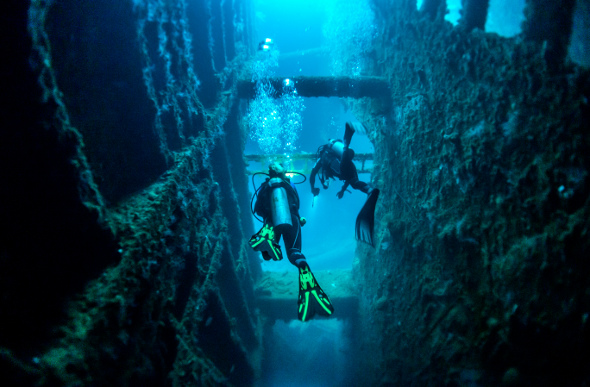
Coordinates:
481 275
122 260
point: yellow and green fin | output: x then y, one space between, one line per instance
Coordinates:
264 241
312 299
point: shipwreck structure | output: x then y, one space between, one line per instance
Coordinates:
124 205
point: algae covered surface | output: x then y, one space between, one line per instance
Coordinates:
120 267
480 275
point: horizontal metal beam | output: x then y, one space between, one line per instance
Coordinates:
301 162
277 292
323 87
307 171
300 156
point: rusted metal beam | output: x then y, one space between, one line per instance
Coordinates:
303 162
300 156
275 294
374 87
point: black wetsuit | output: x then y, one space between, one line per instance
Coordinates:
291 235
332 166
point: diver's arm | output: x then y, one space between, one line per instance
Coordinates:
344 187
315 191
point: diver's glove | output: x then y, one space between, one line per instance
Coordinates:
315 191
340 193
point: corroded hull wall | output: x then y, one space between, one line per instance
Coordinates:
122 255
480 275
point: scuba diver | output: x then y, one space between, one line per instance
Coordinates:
334 160
277 202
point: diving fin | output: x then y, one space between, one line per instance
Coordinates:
348 133
312 299
264 241
350 128
365 221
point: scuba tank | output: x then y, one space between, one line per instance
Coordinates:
344 153
338 147
279 204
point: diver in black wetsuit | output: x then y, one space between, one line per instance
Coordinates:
283 218
335 161
277 202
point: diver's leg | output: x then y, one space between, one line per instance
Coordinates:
312 299
347 153
347 167
348 132
361 186
292 239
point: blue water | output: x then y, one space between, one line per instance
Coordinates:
328 236
300 32
314 353
303 33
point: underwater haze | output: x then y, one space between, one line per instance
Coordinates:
299 31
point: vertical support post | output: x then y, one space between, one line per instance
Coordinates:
434 8
551 22
474 14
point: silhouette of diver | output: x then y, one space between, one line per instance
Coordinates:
277 202
334 160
